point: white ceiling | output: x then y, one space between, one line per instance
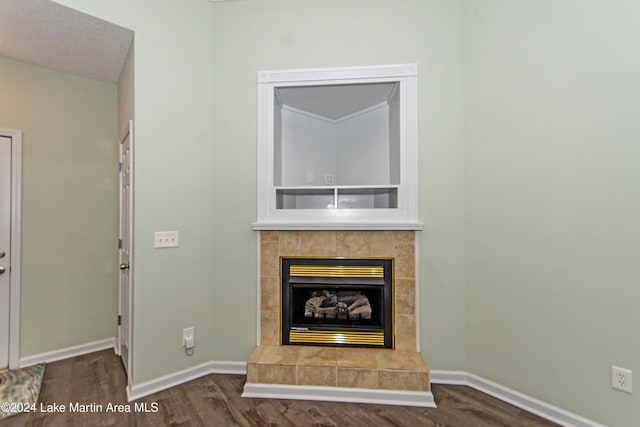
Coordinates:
50 35
337 101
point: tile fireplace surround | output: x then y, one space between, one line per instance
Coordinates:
370 375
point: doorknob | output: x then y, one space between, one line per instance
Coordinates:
124 266
2 270
2 254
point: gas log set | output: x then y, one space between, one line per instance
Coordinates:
341 305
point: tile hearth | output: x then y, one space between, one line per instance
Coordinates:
394 376
339 367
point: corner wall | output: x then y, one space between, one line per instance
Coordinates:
550 95
174 181
195 109
69 204
553 201
290 34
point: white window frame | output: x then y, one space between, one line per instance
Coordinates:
404 217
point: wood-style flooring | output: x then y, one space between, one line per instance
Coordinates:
214 400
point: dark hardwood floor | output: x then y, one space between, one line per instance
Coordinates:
214 400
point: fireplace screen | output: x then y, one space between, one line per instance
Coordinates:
337 302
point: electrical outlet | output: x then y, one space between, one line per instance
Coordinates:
328 179
165 239
188 337
621 379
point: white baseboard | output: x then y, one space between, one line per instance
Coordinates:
65 353
335 394
171 380
278 391
515 398
449 377
226 367
140 390
340 394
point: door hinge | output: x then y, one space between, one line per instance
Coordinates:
119 243
119 320
120 167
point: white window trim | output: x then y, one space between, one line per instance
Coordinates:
405 217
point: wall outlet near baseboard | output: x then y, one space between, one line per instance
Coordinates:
188 337
621 379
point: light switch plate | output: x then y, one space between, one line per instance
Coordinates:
165 239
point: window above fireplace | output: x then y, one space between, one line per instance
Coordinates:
337 148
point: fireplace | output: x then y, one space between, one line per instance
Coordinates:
324 261
339 302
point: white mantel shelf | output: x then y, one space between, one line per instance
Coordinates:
337 226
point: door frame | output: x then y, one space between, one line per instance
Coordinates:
128 133
15 262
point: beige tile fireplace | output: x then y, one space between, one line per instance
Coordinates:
395 376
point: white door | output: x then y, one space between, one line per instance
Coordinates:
5 247
125 244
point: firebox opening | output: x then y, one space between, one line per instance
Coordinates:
337 302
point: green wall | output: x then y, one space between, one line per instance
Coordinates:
126 94
174 182
69 204
195 94
553 201
259 35
527 186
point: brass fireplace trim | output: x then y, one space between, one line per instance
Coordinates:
336 271
336 337
300 334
